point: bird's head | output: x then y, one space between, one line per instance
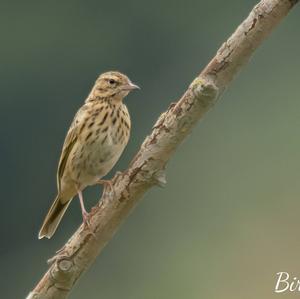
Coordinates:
113 85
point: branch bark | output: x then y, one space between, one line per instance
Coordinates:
148 167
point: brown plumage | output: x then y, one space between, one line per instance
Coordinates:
96 139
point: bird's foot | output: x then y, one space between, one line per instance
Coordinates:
87 224
108 187
85 215
86 218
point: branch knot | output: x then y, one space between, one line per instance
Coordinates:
203 87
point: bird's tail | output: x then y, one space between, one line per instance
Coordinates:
53 217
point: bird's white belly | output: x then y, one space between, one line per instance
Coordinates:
103 157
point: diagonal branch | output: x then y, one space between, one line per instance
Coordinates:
147 168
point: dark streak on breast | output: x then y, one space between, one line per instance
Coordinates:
88 136
104 119
91 124
119 128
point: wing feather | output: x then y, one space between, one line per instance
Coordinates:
70 141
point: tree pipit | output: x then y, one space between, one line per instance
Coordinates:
96 139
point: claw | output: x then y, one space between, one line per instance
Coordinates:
87 224
107 183
85 217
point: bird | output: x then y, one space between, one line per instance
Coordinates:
94 143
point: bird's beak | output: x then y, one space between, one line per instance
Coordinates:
131 86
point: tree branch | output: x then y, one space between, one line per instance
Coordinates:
148 167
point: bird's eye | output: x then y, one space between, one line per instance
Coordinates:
112 81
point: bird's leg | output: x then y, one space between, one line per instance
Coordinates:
85 214
106 184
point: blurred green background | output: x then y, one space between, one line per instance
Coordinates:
228 219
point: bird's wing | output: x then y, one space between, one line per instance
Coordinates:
70 140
